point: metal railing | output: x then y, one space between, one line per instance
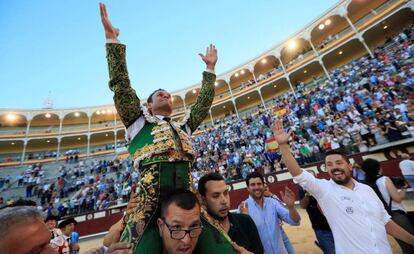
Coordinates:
300 58
222 95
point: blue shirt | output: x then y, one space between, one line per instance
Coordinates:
267 223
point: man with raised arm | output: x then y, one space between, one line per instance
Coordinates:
357 217
160 147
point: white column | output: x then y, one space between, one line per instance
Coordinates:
324 68
115 122
291 86
88 136
58 149
185 106
361 39
313 47
228 84
60 123
89 123
251 69
24 151
89 145
280 62
359 35
211 117
235 108
28 127
307 36
261 98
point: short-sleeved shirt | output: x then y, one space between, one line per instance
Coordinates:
357 217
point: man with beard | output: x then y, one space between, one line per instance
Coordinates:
267 213
355 214
239 227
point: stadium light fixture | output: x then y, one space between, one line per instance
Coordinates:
385 27
109 111
274 86
11 117
305 71
321 26
327 22
340 52
242 72
237 74
103 111
264 60
77 114
248 97
292 44
106 135
98 112
12 143
48 141
224 106
194 91
79 138
48 115
216 83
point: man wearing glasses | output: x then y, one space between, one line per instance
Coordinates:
180 224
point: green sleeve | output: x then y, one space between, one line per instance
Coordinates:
203 103
126 100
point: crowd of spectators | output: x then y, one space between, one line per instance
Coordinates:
366 103
79 187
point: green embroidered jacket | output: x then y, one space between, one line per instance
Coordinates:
129 108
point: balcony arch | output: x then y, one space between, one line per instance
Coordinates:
241 79
45 123
41 148
266 67
323 35
294 51
75 121
386 29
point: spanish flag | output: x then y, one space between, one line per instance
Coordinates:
271 144
280 111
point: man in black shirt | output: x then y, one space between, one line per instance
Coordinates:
319 223
239 227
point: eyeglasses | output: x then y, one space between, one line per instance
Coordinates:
178 234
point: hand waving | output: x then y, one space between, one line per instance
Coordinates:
210 58
110 31
288 197
244 209
280 135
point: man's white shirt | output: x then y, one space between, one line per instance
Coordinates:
357 217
